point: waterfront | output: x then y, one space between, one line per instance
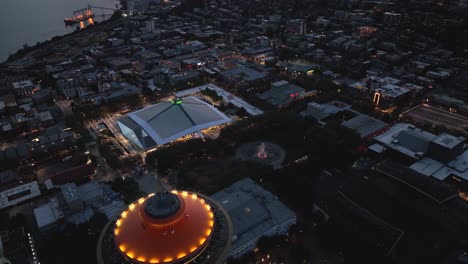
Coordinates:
30 21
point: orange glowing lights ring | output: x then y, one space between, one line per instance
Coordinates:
179 237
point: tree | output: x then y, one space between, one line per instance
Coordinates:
300 254
128 188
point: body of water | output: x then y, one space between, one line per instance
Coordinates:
30 21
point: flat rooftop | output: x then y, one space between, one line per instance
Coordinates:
392 90
322 111
253 210
244 73
448 140
48 214
406 139
19 194
364 125
282 92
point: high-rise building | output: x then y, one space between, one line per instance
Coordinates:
136 6
167 227
150 26
392 19
296 26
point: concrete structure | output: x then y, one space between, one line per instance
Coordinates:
296 26
242 77
392 19
19 194
23 88
48 214
364 125
282 93
254 213
112 209
406 139
388 94
164 122
150 26
72 197
436 156
322 111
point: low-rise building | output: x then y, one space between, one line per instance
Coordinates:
254 212
47 215
282 93
19 194
364 125
436 156
243 77
23 88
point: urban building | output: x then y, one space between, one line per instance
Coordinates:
438 156
24 88
243 77
282 93
18 194
77 204
164 122
392 19
296 27
320 112
389 94
364 125
254 212
47 215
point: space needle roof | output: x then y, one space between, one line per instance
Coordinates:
169 227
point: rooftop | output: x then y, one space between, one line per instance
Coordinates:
282 92
448 140
23 84
70 192
253 210
392 90
167 121
364 125
244 73
174 237
406 139
19 194
322 111
48 214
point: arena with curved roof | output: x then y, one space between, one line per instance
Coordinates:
168 121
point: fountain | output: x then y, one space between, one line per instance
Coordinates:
265 152
261 151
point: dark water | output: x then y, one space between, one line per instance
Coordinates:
29 21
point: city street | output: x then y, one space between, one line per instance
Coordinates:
437 116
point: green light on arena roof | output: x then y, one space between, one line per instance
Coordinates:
177 101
